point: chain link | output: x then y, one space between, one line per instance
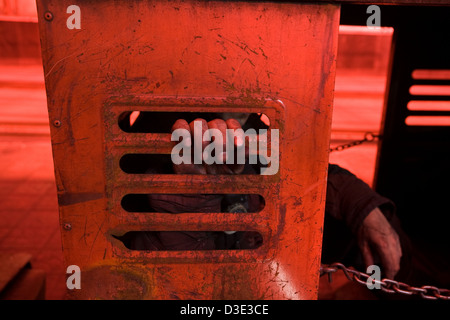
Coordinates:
368 137
386 285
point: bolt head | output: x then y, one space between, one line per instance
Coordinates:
48 16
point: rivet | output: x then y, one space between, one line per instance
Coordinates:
57 123
67 226
48 16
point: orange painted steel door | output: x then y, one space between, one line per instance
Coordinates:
105 58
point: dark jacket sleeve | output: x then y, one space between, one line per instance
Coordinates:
351 199
182 203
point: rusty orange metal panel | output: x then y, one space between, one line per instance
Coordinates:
215 56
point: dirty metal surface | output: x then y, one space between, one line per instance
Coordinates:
390 2
274 58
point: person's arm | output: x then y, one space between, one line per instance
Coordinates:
193 203
376 235
367 214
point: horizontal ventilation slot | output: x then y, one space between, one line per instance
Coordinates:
190 240
429 74
162 164
193 203
430 90
428 121
162 122
416 105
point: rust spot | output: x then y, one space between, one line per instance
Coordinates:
67 199
282 222
111 282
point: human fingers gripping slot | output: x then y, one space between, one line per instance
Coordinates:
214 147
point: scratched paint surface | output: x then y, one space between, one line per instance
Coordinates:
185 54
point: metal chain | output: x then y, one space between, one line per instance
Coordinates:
368 137
386 285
